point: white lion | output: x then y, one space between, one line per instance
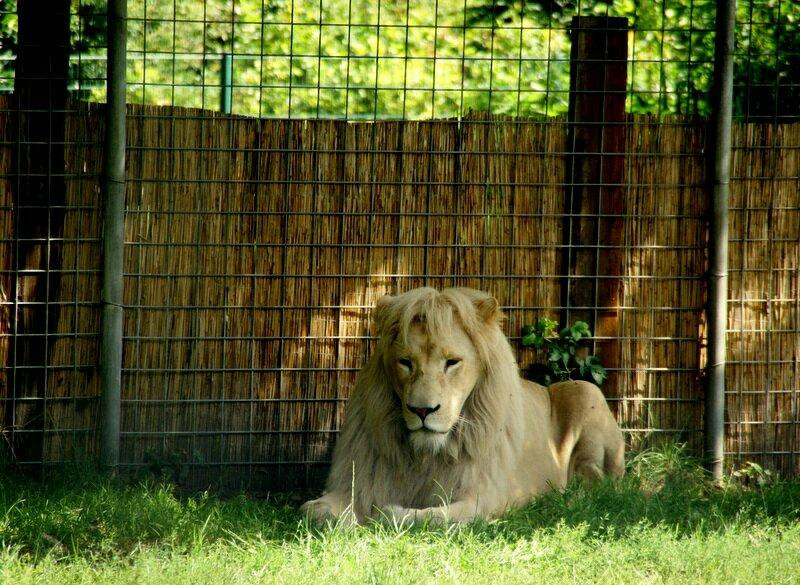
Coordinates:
441 427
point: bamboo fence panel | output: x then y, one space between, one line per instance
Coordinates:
71 405
255 250
762 377
73 380
663 288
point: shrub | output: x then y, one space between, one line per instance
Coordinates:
568 357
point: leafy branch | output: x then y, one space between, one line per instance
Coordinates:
567 357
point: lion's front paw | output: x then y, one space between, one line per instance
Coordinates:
317 510
393 514
398 515
326 508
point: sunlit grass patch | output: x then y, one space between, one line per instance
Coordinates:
663 522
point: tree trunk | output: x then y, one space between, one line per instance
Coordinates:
38 120
595 182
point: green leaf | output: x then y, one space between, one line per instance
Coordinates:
562 350
580 329
598 372
545 326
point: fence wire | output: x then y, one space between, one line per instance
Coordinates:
291 161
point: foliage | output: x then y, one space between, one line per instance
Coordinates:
567 357
398 59
753 474
671 51
8 42
663 522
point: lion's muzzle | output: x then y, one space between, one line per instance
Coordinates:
423 411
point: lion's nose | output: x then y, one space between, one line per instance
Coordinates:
422 411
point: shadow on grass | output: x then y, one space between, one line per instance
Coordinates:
662 487
80 513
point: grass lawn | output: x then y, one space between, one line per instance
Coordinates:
664 523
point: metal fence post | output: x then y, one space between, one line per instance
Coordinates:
113 237
722 106
226 83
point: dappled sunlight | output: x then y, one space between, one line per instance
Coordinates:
764 313
255 251
663 297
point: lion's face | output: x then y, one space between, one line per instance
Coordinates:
434 378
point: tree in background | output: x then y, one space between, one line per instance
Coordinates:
8 44
672 51
345 58
37 189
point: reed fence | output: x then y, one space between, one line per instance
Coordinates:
254 250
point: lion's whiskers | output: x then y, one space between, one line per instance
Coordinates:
461 422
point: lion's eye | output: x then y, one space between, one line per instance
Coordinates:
450 363
405 363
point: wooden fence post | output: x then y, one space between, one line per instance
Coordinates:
595 174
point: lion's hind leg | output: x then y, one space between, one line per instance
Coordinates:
614 462
592 460
592 438
587 461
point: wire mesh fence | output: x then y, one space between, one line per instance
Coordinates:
50 242
290 162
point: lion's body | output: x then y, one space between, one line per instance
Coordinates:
492 442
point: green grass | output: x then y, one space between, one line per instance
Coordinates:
664 523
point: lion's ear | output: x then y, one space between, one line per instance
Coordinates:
488 309
381 311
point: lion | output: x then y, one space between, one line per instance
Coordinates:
440 427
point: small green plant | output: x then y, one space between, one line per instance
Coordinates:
752 474
567 356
